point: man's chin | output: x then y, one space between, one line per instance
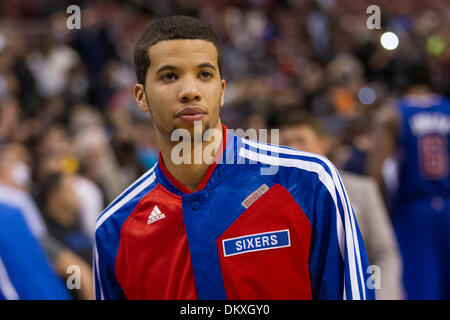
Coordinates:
198 130
192 126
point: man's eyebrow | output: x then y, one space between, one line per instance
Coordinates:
165 67
207 65
169 67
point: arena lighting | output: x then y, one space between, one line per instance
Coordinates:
367 95
389 40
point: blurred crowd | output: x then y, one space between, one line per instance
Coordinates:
72 137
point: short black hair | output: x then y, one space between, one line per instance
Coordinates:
417 74
411 72
48 186
171 28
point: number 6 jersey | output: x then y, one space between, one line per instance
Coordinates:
424 148
421 215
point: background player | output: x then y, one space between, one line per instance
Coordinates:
415 131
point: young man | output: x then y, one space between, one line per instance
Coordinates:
305 132
415 130
231 228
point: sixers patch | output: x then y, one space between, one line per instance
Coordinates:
256 242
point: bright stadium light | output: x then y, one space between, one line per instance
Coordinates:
389 40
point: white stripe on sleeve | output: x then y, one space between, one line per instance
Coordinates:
331 184
6 287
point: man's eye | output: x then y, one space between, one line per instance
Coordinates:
169 76
205 75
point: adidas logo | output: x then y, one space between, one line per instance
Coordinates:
155 215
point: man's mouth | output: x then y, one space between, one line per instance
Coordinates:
190 114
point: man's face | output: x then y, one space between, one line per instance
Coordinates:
67 197
182 85
304 138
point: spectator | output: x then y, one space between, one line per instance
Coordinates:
60 206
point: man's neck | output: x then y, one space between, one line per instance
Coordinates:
418 90
190 174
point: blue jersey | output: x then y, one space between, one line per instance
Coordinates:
267 222
421 217
25 271
424 148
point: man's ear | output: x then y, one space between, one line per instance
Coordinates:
222 94
141 98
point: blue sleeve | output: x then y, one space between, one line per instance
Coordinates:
105 281
25 270
338 261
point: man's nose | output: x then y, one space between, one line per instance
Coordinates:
189 91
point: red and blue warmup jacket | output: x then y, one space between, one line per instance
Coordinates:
267 222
